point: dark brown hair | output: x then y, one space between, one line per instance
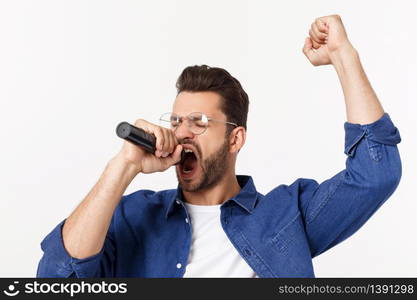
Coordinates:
235 101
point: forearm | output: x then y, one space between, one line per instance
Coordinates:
85 230
362 104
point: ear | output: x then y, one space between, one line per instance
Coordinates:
237 139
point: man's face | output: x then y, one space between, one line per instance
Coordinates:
210 148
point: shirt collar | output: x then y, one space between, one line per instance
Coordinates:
246 198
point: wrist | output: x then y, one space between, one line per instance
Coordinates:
343 56
125 165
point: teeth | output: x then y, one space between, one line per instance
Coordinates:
188 151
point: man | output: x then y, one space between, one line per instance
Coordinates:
216 224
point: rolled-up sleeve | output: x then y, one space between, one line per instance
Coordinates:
56 262
339 206
381 132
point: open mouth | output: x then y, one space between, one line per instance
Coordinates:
189 164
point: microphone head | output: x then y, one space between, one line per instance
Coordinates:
123 130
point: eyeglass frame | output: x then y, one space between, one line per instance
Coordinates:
196 112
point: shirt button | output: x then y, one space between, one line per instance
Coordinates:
179 266
186 220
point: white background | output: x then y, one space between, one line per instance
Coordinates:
70 71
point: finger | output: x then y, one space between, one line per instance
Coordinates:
150 128
322 26
176 155
160 140
165 146
173 140
169 143
307 45
140 123
174 158
314 40
320 35
314 36
158 153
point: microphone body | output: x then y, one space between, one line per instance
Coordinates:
139 137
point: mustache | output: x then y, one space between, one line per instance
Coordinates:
191 142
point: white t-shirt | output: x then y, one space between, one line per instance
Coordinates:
212 254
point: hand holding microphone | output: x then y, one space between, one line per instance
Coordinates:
84 231
158 147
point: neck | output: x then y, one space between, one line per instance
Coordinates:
221 192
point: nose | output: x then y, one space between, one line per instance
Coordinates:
183 131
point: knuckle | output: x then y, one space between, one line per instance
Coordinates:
139 122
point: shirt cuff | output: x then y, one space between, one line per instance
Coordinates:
381 131
53 247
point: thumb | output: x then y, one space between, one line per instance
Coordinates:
308 47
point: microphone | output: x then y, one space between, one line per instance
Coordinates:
140 138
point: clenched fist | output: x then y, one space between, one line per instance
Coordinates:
327 36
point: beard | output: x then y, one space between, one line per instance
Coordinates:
213 168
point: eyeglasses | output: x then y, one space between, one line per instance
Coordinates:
197 122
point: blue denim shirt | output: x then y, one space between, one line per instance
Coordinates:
277 234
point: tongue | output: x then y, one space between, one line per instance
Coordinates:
189 162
